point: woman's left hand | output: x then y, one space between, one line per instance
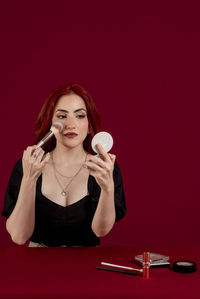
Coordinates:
101 168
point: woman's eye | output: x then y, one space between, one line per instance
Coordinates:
61 116
81 116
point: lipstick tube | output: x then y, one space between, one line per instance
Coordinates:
146 264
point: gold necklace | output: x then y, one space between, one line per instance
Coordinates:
63 192
64 176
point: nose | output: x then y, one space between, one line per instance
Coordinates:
70 123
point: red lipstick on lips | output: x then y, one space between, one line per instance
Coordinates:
70 135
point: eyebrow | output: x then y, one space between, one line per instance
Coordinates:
66 111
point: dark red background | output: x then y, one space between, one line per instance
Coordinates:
140 61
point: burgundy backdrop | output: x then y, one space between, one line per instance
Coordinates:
140 62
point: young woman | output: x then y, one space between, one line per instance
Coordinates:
63 194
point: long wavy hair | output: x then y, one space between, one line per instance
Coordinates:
44 120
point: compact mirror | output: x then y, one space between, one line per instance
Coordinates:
103 138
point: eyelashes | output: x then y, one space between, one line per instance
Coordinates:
61 116
81 116
64 116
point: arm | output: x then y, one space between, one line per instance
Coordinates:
21 222
102 170
104 217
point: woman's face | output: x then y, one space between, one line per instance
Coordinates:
70 110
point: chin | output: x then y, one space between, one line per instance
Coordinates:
72 145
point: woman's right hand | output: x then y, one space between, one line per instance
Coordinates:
33 161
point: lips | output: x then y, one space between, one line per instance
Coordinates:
70 135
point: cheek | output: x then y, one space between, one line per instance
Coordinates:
58 120
84 126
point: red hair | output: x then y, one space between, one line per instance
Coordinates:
44 121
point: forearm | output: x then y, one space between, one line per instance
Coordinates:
104 217
20 224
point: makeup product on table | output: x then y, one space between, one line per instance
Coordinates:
118 270
146 264
121 269
156 260
184 266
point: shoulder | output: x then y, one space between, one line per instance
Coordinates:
117 176
17 169
116 168
18 165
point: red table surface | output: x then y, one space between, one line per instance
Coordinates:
66 272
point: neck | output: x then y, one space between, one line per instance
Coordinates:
67 156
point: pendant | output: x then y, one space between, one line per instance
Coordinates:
63 193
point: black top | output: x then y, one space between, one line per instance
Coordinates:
56 225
